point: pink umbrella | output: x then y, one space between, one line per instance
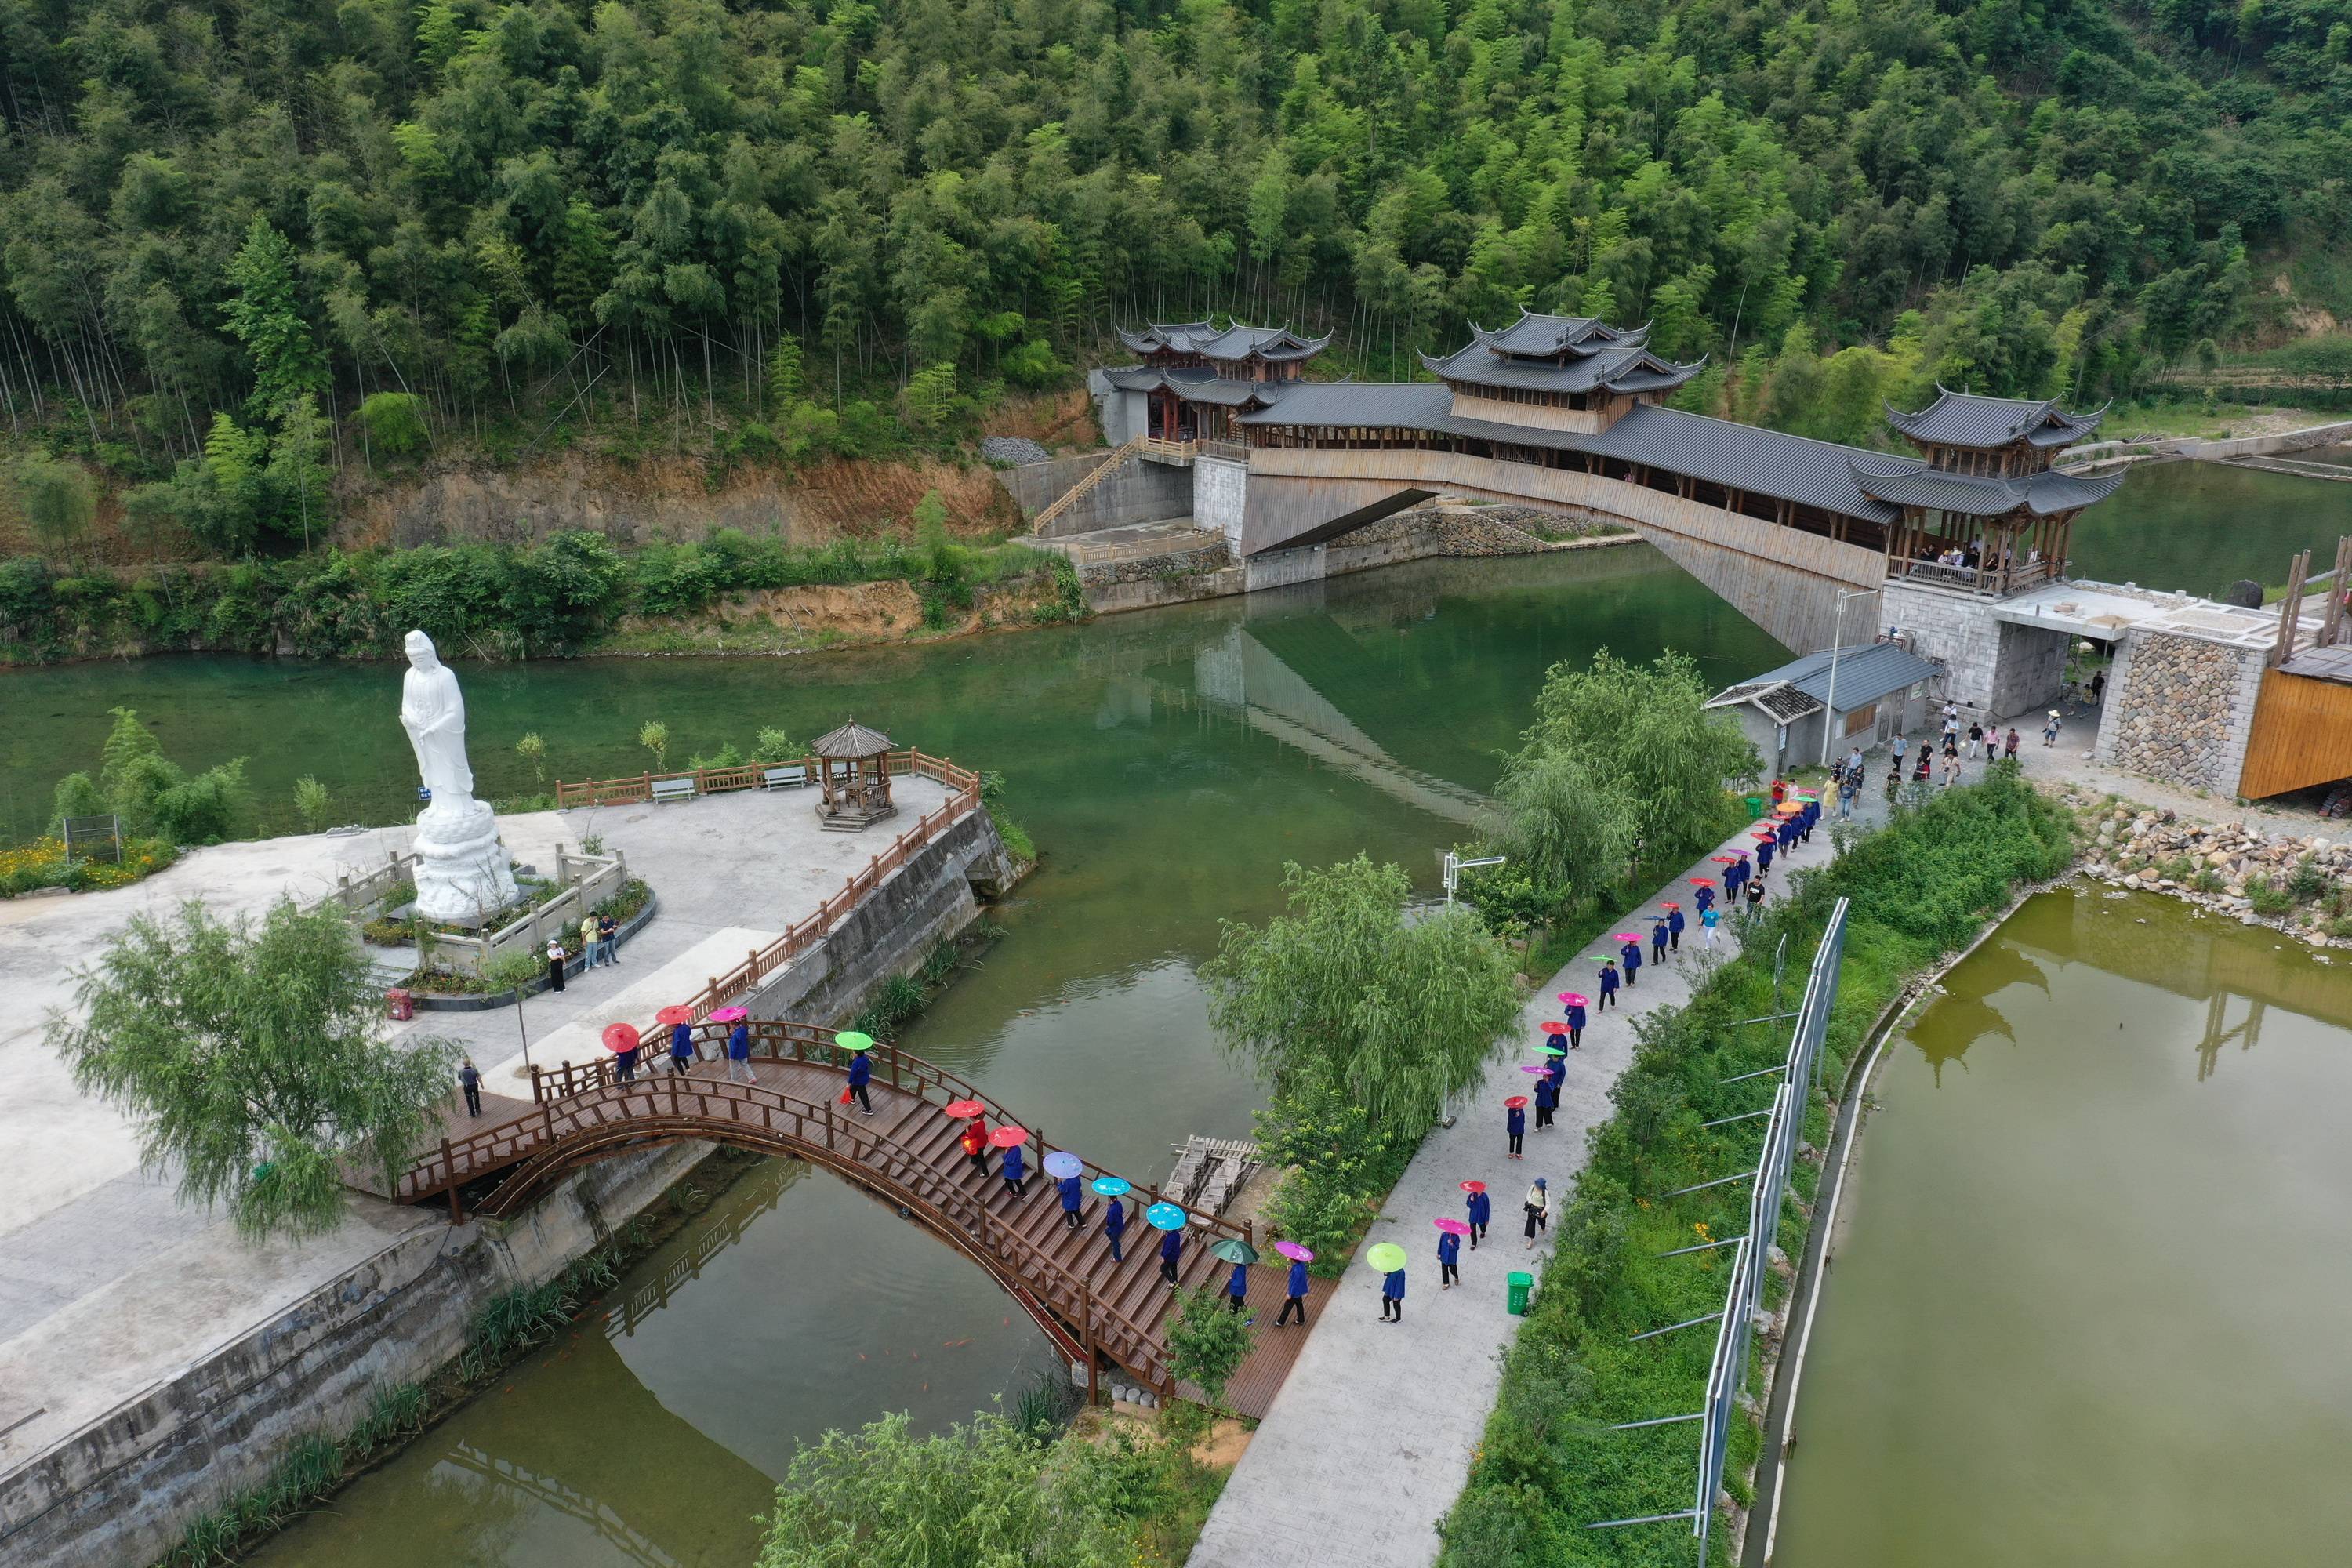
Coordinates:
1451 1227
730 1016
1295 1253
1535 1070
1625 936
1571 998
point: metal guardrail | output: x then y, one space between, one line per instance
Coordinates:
1751 1257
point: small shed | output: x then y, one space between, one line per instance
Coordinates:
853 778
1880 690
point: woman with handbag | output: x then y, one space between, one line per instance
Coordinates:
1539 1207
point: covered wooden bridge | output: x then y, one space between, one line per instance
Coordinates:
906 1152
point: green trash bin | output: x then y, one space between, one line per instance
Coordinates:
1755 808
1520 1285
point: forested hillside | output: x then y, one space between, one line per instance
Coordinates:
247 241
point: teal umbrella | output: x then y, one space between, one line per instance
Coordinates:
1232 1249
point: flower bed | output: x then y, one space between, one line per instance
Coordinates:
43 864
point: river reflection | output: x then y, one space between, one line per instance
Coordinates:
2088 1308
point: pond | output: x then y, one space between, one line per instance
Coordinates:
2088 1299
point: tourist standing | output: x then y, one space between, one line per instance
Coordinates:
469 1078
1449 1260
1171 1249
1073 1200
1515 1121
1609 984
681 1049
1237 1290
1975 737
1393 1297
861 1073
588 941
974 1139
2098 688
555 962
1706 923
1016 1171
738 1054
1481 1209
1294 1295
608 929
1539 1207
1114 1228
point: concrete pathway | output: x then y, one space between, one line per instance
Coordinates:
1369 1440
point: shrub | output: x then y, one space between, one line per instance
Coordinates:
311 802
2268 898
394 421
1207 1340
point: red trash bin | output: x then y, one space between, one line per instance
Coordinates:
397 1004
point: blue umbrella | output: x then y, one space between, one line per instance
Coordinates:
1113 1187
1164 1216
1060 1164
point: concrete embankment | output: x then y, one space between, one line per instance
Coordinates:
240 1350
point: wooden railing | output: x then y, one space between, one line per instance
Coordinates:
1997 581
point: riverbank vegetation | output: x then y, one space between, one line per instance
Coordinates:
1920 889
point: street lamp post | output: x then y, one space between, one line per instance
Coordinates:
1837 636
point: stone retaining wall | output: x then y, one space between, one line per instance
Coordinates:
2179 709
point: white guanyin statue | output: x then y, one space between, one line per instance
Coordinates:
461 866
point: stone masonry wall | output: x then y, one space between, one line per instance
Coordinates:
2179 709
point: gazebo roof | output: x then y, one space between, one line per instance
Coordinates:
852 740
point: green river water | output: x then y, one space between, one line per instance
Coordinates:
2088 1306
1168 763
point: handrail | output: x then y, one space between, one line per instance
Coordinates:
814 1044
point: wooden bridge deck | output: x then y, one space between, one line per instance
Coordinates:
906 1152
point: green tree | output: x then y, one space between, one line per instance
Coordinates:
1343 990
1564 824
267 318
57 499
253 1060
1207 1341
513 971
298 472
533 751
653 736
394 421
311 803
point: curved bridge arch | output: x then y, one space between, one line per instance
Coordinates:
906 1152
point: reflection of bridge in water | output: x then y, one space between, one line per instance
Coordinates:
555 1496
754 1196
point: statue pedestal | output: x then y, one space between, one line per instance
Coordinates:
461 866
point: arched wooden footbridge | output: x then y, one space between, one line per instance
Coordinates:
906 1152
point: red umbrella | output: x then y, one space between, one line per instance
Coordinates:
1726 859
619 1038
1670 906
1474 1186
1006 1137
1763 838
675 1013
1554 1027
1514 1102
1708 882
964 1110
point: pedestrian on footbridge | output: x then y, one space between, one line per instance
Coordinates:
1073 1200
974 1139
1114 1228
1016 1171
1294 1289
1237 1288
861 1073
681 1049
739 1052
1172 1250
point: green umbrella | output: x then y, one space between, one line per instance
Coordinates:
1387 1257
852 1040
1232 1249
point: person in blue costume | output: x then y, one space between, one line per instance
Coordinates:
1237 1288
1449 1260
1515 1125
1632 953
1658 934
1294 1295
1393 1297
1706 897
1575 1024
1073 1200
1547 1101
1114 1228
681 1049
1171 1249
861 1073
1016 1172
1481 1211
1675 929
1609 984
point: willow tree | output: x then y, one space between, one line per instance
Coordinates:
1400 1012
254 1060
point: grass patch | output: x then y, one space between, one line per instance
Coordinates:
1921 887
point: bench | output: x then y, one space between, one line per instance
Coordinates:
673 789
786 776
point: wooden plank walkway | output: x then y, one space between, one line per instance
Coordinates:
906 1152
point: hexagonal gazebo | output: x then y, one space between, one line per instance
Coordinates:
854 777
